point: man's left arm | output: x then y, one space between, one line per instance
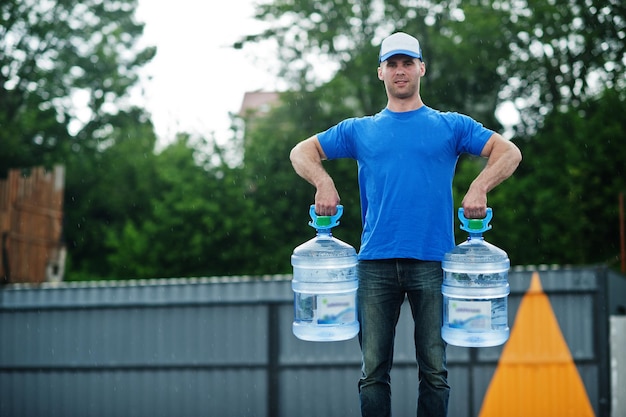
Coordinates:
503 157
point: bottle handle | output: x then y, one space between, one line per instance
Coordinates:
324 222
471 225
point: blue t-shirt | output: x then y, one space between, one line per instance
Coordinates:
406 163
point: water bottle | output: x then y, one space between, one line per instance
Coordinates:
324 284
475 289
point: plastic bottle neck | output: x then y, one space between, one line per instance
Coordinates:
324 233
475 236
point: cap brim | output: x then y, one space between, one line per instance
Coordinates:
399 52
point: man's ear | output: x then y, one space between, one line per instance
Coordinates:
380 73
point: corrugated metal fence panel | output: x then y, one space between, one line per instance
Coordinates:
224 347
160 348
135 338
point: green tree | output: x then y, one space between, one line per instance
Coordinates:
539 55
475 60
565 193
464 46
355 89
194 209
196 221
280 198
64 66
563 52
106 188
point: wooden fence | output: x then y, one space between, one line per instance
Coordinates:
31 213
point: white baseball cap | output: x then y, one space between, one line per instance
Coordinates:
399 43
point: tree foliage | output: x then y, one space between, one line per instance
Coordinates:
194 210
247 219
551 59
564 52
64 65
562 204
106 188
188 228
538 54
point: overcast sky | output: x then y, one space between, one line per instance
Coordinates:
196 78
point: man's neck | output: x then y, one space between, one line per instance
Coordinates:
400 105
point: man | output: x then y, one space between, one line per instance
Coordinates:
406 157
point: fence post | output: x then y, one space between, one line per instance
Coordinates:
602 335
273 361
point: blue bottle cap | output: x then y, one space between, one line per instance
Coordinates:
475 225
324 222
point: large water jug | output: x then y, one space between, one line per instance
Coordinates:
324 284
475 289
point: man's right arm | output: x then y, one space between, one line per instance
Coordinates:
306 158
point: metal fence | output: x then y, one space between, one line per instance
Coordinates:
224 347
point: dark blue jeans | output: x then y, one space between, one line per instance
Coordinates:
383 285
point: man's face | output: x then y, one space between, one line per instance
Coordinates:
401 75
